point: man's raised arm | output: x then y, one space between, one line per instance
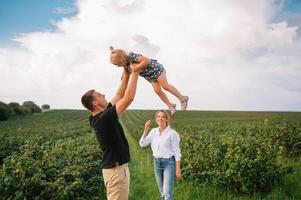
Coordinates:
129 95
122 87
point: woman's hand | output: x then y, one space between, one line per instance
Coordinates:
148 125
178 170
178 175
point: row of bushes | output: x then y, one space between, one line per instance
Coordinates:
14 108
50 156
244 164
245 156
52 126
63 169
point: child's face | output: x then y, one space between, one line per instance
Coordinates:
119 59
122 62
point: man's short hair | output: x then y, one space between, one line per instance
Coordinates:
87 99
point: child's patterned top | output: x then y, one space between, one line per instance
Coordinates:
152 71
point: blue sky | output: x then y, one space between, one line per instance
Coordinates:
243 55
24 16
292 5
291 12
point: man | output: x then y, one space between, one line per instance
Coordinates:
110 134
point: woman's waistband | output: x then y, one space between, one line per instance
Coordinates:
171 158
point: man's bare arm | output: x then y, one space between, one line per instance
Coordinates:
122 87
129 95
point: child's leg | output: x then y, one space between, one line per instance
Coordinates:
162 80
161 94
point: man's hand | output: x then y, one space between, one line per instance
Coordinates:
134 67
125 74
140 64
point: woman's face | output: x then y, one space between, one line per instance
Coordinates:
161 119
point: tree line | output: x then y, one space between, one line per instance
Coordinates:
15 109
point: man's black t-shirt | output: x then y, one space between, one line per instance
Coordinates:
110 135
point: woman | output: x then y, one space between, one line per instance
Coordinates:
164 142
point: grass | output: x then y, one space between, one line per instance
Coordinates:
62 124
143 183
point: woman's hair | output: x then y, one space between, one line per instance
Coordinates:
117 55
166 115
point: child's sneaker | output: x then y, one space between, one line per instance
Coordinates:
173 109
184 103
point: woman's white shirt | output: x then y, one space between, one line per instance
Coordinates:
165 145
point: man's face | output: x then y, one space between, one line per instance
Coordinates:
99 99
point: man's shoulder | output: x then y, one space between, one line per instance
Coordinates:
103 116
108 108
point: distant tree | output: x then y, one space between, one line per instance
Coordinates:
45 106
15 108
31 106
26 110
5 111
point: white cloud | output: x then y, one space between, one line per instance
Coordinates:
223 54
64 10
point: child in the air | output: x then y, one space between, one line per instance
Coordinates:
152 71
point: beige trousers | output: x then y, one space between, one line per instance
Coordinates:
117 182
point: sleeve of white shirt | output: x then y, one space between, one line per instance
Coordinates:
176 145
147 140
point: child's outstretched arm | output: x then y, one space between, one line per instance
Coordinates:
141 63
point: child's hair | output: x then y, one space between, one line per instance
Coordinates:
117 56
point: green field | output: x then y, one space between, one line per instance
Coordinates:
225 155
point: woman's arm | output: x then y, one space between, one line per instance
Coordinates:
146 138
178 170
177 152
